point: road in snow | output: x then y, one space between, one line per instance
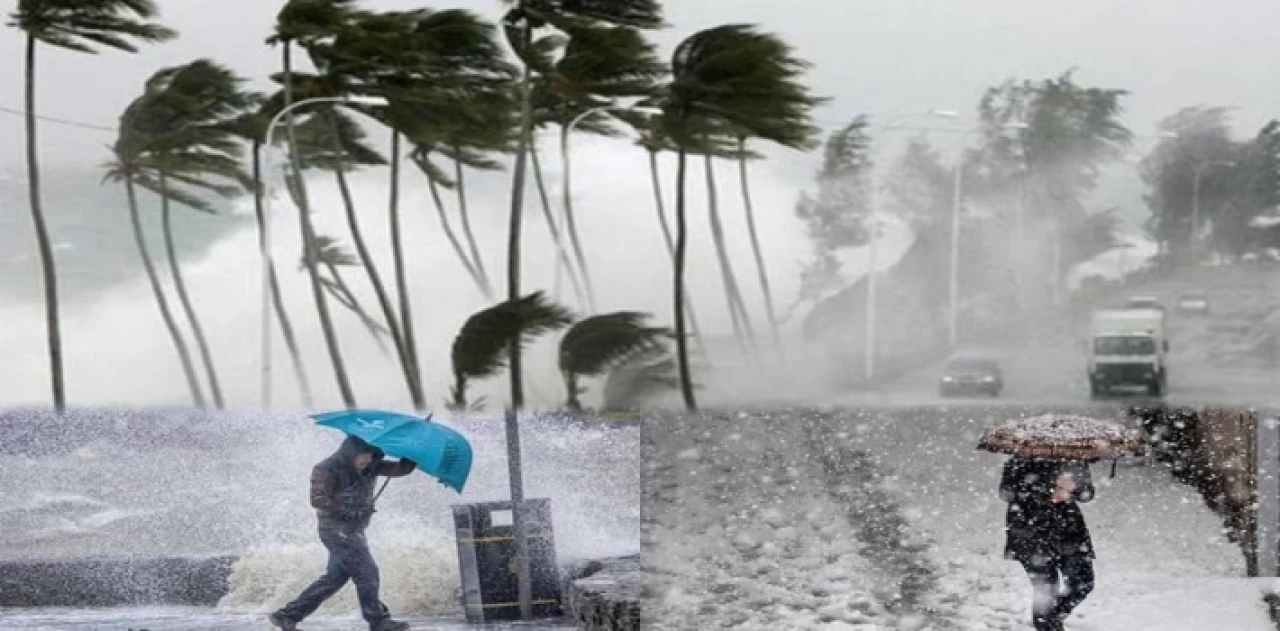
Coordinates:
890 520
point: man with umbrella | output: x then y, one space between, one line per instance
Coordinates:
1044 481
342 494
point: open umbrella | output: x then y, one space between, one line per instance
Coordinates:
1062 437
440 451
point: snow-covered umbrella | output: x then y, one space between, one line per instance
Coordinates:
1062 437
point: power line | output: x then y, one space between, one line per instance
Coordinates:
59 121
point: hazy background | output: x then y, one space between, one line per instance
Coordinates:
887 58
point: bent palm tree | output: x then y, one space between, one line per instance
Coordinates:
648 373
332 256
483 345
519 22
252 126
595 345
77 25
305 22
731 76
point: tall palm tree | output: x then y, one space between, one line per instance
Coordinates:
190 111
252 126
306 22
595 345
734 76
332 256
80 26
484 343
743 331
520 21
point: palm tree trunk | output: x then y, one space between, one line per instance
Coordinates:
562 254
341 292
742 328
286 327
375 279
682 241
308 242
184 356
202 344
481 283
402 281
44 244
513 232
572 225
671 248
571 402
465 216
755 245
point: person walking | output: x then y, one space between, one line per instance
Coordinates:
1047 534
342 494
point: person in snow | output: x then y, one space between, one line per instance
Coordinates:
342 494
1046 533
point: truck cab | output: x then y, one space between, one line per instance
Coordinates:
1128 348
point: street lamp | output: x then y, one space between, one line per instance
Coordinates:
269 139
1197 172
953 281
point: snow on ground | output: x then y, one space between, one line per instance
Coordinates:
890 520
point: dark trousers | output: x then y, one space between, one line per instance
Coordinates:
1049 604
349 559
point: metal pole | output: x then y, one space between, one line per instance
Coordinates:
869 356
1267 493
516 476
1194 242
954 284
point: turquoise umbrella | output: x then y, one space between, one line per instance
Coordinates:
440 451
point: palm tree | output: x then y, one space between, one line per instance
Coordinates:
80 26
485 341
520 21
332 256
730 75
743 331
305 22
189 111
252 126
593 346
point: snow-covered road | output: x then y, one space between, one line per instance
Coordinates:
889 520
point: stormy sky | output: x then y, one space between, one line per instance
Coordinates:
884 57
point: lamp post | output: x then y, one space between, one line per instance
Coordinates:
269 140
1197 172
953 280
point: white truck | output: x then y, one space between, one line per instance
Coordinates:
1128 348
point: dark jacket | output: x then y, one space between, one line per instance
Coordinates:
343 495
1035 525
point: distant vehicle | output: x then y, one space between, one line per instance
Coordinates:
1128 348
1193 303
963 375
1144 302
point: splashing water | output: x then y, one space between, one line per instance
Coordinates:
155 482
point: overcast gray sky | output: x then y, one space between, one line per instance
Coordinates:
884 57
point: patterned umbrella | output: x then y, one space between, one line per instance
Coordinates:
1062 437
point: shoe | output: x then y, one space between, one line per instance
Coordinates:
282 623
390 625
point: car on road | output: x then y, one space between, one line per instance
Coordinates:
1144 302
971 375
1193 303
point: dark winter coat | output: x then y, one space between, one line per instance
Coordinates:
1035 525
343 495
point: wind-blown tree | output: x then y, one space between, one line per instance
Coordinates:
81 26
308 23
520 22
1071 132
483 345
734 76
598 344
252 126
598 66
1197 138
194 155
332 256
835 217
713 145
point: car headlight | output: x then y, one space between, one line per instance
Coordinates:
948 379
988 379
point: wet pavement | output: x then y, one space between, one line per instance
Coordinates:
205 619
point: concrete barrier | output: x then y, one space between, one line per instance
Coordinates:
605 595
112 582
